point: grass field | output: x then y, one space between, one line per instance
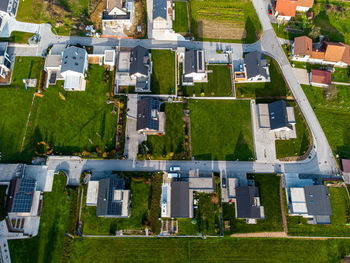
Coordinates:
340 203
170 145
269 185
219 84
180 24
224 126
298 146
208 217
140 192
49 245
18 37
275 88
341 74
225 20
210 250
163 74
333 112
68 121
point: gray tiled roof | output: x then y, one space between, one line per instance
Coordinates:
144 113
3 5
159 8
278 115
180 199
255 64
73 59
139 61
245 202
105 204
317 200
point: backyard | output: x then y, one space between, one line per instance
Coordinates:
225 127
332 108
170 145
219 84
18 37
225 20
340 203
298 146
180 24
275 88
209 250
140 185
269 190
163 74
57 218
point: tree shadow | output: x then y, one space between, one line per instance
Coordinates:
250 30
242 151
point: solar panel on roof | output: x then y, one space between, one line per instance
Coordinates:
24 197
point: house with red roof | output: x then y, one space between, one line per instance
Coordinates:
320 78
286 9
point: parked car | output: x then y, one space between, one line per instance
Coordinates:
223 182
175 169
270 10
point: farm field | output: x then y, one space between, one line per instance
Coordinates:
269 186
163 75
57 218
225 126
219 84
225 20
211 250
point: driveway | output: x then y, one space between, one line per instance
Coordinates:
301 75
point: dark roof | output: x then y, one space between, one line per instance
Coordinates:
245 202
74 59
255 64
3 5
105 204
21 192
139 61
159 8
317 200
190 61
144 114
180 199
278 115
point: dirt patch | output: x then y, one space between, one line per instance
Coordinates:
215 199
93 60
261 234
95 16
223 29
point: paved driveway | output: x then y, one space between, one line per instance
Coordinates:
301 75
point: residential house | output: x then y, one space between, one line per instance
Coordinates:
150 120
286 9
162 15
71 67
329 53
276 116
345 163
134 68
118 13
311 202
110 197
194 69
5 61
8 7
320 78
177 200
248 204
256 68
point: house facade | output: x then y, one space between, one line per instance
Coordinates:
194 69
118 13
5 60
162 15
248 204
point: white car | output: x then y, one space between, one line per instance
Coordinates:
175 169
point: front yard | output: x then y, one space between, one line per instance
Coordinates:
219 84
180 24
225 20
58 217
225 127
163 75
269 187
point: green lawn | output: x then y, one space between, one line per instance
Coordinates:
140 193
163 74
2 201
170 145
340 203
298 146
26 68
186 226
219 84
224 16
275 88
18 37
210 250
180 24
225 127
341 75
208 216
51 243
333 113
269 185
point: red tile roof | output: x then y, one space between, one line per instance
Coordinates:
321 76
286 7
302 46
306 3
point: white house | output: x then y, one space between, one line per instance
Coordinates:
70 67
8 7
256 68
162 14
194 68
5 61
118 13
